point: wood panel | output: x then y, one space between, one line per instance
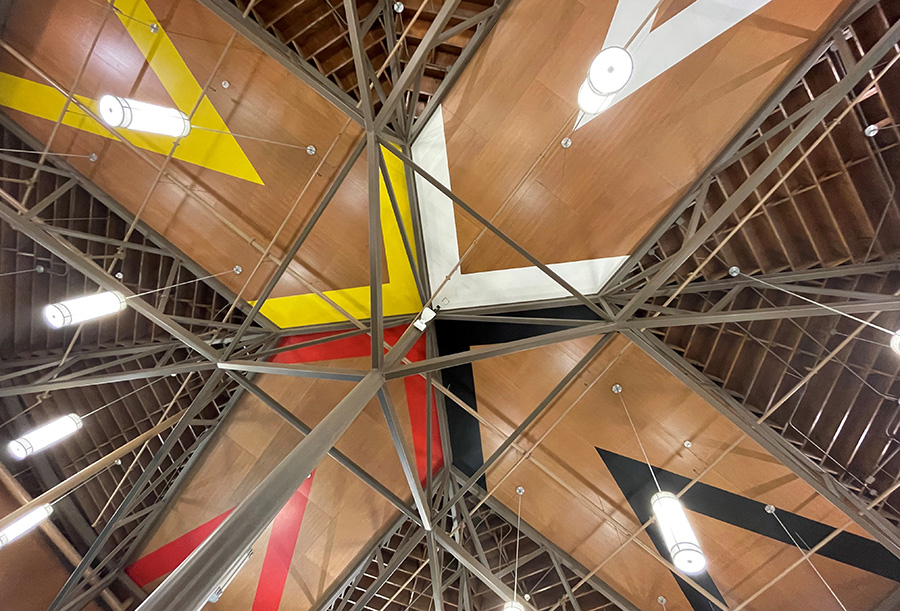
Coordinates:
343 515
572 498
31 573
506 116
216 222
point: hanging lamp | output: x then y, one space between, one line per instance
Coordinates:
44 436
679 537
142 117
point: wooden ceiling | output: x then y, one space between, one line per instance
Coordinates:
504 119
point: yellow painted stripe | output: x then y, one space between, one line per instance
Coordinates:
399 294
215 151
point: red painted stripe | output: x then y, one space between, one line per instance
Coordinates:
280 551
418 420
164 560
286 528
359 346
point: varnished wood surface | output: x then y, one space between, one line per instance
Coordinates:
343 515
626 168
30 570
566 477
263 101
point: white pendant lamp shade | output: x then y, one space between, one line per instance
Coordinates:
81 309
678 534
143 117
45 436
590 102
24 524
610 71
513 605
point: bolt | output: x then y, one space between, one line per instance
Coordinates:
527 597
93 158
616 388
520 490
566 143
40 269
238 269
310 150
398 7
662 600
225 84
734 271
770 508
119 275
154 27
871 131
118 461
688 444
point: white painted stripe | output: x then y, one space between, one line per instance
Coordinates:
671 43
442 252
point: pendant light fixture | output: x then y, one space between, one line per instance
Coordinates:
679 537
591 102
610 71
26 523
514 604
143 117
81 309
44 436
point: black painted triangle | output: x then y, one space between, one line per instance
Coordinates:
633 478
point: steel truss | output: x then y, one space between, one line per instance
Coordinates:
444 527
394 84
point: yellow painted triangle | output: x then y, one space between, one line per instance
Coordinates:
209 149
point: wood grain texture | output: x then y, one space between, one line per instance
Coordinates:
626 168
343 515
566 476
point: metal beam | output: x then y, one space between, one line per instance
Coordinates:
480 571
412 476
891 603
587 330
64 168
191 583
565 582
496 231
811 122
78 261
415 62
138 374
724 284
822 482
275 49
296 370
541 407
748 131
504 512
336 454
210 389
398 558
